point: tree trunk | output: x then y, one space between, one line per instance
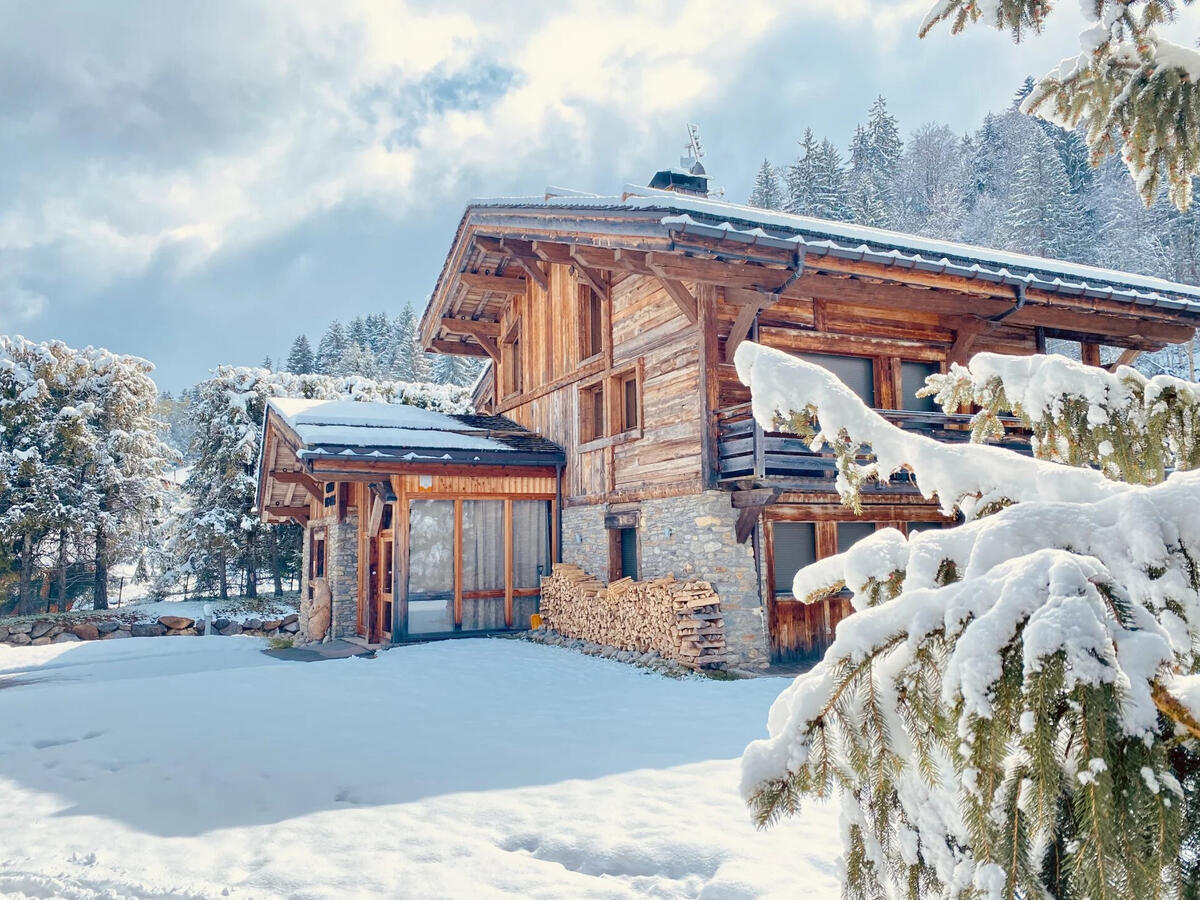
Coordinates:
62 570
25 594
275 572
251 569
224 574
100 584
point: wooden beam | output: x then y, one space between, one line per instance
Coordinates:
303 479
534 271
460 348
299 513
965 334
473 327
1127 358
552 252
751 303
497 284
592 279
680 294
1089 353
751 505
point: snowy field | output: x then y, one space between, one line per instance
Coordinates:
472 768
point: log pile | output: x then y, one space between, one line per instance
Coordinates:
679 620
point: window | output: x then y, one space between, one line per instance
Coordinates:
482 565
912 379
631 418
430 566
319 558
914 527
856 372
850 533
591 323
591 413
530 556
624 550
510 362
331 493
794 547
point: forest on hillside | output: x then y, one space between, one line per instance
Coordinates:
1016 183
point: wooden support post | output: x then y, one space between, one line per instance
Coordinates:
300 478
1089 353
590 278
751 504
534 271
1127 358
964 338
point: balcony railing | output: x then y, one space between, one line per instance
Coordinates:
746 451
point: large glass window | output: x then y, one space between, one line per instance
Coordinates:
856 372
431 566
912 379
794 547
483 565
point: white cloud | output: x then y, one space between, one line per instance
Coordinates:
18 305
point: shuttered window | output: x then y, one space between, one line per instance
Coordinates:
629 559
794 547
912 379
850 533
856 372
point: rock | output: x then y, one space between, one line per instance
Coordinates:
107 627
41 641
175 623
66 637
290 620
290 627
253 624
20 628
85 631
19 639
40 629
3 632
271 624
220 623
231 629
147 629
116 634
188 631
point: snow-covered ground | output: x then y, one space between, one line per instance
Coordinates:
471 768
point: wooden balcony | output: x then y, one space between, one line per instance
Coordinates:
746 452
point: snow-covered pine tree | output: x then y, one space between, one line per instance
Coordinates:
1013 710
456 370
932 183
403 346
331 349
875 154
359 360
799 177
829 195
1044 217
300 359
379 336
357 332
1128 85
767 193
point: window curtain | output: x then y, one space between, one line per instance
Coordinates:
483 564
531 542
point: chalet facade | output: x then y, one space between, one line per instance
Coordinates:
418 525
610 325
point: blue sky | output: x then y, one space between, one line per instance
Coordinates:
199 183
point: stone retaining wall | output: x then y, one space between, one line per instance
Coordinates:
37 633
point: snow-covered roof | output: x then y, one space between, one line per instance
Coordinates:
748 226
396 430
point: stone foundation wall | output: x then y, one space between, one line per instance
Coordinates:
36 632
690 537
333 610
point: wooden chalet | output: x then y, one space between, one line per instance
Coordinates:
418 525
610 325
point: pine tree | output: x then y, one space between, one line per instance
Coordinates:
1129 85
799 177
331 349
828 193
1044 217
1012 709
875 155
267 363
767 193
403 342
300 359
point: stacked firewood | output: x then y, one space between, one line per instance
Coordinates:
679 620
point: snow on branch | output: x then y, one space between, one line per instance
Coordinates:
1016 691
789 392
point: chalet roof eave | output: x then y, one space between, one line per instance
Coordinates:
408 456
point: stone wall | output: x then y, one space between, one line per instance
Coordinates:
36 632
688 537
340 588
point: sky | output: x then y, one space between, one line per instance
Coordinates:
199 183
